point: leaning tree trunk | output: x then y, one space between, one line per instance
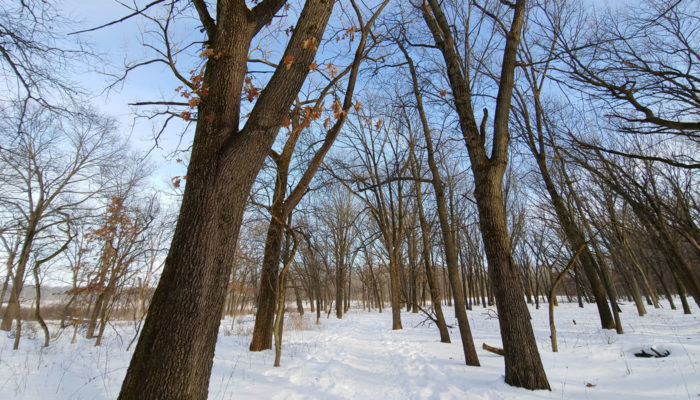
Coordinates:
174 354
10 266
575 238
12 311
448 238
429 274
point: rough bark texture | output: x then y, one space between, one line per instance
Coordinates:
279 314
174 354
395 297
523 366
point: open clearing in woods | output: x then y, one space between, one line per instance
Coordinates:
359 357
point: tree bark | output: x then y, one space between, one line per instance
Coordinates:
264 318
448 238
430 275
174 354
37 309
13 306
279 318
523 366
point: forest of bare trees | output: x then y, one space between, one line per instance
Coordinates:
374 155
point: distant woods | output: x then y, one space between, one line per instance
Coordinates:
390 155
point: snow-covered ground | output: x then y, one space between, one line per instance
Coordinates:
360 357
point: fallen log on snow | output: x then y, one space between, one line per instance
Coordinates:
494 350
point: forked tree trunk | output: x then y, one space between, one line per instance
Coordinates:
174 354
282 207
523 366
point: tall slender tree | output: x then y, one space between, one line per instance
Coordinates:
522 360
283 204
448 237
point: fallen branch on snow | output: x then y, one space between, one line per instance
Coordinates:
494 350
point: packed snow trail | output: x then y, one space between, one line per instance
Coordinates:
360 357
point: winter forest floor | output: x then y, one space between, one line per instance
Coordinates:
360 357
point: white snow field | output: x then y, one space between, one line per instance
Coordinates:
360 357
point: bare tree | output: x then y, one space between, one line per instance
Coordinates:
535 122
175 351
36 58
377 174
522 360
340 217
435 297
448 236
640 67
282 203
52 167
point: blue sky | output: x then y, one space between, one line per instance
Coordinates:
116 44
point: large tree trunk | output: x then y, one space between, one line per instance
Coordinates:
174 354
522 360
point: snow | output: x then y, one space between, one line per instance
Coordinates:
360 357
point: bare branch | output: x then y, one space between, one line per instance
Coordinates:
133 14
